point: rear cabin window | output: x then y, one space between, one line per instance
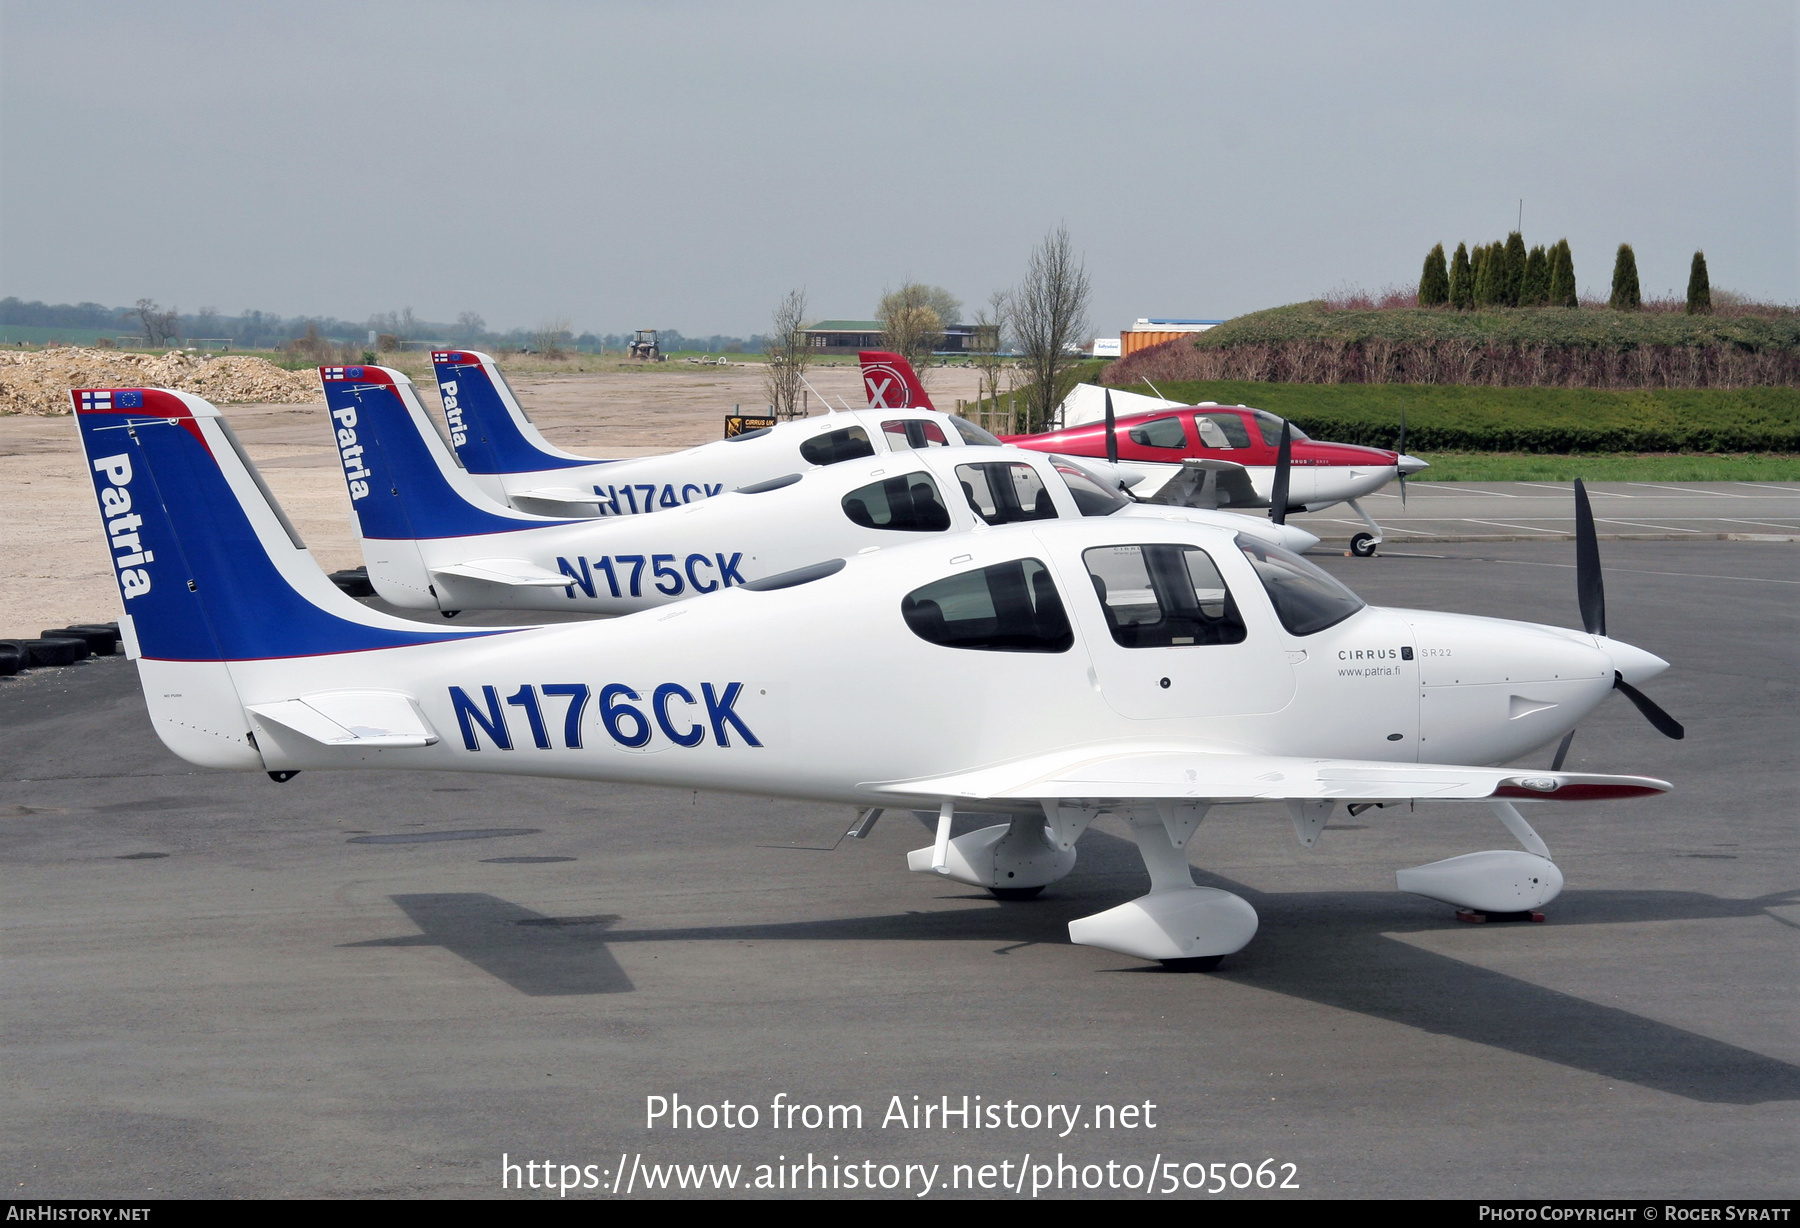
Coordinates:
835 446
909 503
907 433
1009 607
1306 598
1093 494
973 435
1003 492
1224 430
1163 596
1160 433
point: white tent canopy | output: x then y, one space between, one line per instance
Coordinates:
1087 403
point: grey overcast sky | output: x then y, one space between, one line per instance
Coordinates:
682 165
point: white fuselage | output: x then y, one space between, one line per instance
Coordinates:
824 691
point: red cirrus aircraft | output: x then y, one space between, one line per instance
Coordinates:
1203 455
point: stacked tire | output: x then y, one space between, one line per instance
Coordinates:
60 646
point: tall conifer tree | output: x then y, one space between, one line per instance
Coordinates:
1512 282
1534 291
1562 276
1481 265
1625 296
1699 288
1462 280
1434 281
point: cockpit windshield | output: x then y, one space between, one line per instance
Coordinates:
1306 598
1096 494
1270 426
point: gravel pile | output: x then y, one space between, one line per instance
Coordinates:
38 382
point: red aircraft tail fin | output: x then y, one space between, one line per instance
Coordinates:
890 383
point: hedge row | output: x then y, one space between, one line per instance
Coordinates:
1543 420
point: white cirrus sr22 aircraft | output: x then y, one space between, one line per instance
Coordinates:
432 540
511 461
1038 674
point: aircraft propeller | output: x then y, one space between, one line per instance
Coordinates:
1590 593
1112 436
1284 460
1401 450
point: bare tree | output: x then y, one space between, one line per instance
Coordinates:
409 325
788 354
911 325
469 326
547 339
160 327
1049 314
990 344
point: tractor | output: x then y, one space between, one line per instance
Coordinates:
643 345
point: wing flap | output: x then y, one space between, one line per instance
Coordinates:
1214 776
351 718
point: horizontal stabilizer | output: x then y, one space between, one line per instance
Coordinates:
558 501
1212 776
515 572
352 718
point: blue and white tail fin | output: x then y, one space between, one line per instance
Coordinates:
210 571
488 428
405 486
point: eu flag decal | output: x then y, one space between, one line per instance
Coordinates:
128 400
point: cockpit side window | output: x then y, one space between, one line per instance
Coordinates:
835 446
908 503
1009 607
1306 598
904 433
1002 492
1228 424
1163 596
1160 433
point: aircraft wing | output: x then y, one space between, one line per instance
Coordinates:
1214 776
516 573
1208 483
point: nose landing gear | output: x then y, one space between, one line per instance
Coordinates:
1363 544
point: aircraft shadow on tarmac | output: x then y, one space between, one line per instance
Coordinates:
1336 948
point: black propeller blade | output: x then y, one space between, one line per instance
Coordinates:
1562 751
1590 590
1402 450
1665 724
1112 437
1278 497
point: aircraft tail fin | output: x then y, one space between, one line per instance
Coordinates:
404 484
891 383
210 571
488 427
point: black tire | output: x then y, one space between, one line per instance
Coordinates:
1016 894
13 658
1199 963
1363 545
101 641
55 651
354 582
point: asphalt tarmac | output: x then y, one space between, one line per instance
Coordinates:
363 984
1524 511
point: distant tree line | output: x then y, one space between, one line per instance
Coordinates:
262 330
1506 275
